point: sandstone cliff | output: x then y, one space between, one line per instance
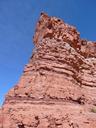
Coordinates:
58 86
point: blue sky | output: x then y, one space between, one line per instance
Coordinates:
17 24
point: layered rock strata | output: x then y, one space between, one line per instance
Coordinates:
58 86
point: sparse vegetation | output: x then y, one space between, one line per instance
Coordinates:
93 110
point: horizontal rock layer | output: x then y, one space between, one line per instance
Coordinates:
58 86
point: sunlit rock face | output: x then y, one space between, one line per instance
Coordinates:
0 118
58 86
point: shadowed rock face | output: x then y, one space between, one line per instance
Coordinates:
58 86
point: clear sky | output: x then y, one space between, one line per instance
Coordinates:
17 23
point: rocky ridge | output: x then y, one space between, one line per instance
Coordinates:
58 86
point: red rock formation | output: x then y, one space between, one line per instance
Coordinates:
0 118
58 86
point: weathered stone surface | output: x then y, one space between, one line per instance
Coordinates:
58 86
0 118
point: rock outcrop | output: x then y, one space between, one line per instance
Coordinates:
0 118
58 87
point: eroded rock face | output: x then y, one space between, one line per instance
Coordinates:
58 86
0 118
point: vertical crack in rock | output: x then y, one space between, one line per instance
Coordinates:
58 85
